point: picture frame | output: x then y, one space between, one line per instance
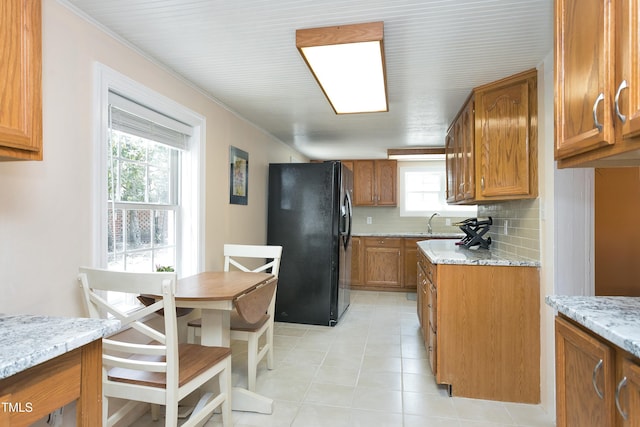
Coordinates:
238 176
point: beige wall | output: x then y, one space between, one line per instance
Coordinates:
45 207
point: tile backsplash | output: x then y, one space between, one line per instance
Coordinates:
521 216
388 220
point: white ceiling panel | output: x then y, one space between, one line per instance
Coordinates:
243 54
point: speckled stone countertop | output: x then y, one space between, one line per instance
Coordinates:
27 340
447 252
414 235
616 319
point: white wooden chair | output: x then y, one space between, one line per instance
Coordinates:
241 329
160 371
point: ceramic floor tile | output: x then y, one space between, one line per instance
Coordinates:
429 405
369 370
425 421
330 395
283 414
311 415
362 418
529 415
377 399
347 376
482 410
388 380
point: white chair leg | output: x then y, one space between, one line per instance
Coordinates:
170 415
225 387
252 361
155 412
105 411
191 335
270 347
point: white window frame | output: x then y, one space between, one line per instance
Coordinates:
190 247
443 209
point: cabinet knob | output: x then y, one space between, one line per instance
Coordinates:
622 383
482 182
623 85
594 377
596 123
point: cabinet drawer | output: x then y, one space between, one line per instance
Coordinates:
391 242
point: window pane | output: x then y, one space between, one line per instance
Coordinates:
115 262
115 227
159 185
139 262
164 257
138 229
132 147
132 182
163 227
159 155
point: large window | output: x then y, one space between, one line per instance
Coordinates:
150 164
143 201
422 191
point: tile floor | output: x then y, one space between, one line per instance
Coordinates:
369 370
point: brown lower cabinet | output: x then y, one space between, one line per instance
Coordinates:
480 326
597 383
385 263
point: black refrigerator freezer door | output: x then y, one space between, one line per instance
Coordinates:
303 217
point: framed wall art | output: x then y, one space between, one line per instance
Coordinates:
238 176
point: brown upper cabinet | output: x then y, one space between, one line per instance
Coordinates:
492 145
460 160
375 182
597 79
21 80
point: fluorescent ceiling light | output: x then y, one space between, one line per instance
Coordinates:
348 64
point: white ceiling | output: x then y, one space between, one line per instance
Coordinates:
243 54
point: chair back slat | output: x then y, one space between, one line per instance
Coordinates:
253 305
270 254
160 354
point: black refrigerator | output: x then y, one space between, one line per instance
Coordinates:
309 215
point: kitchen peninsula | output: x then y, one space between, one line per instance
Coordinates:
597 358
480 316
48 362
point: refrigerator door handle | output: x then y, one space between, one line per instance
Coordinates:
348 219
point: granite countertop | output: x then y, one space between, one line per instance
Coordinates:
27 340
447 252
414 234
616 319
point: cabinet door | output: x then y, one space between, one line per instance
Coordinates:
364 182
584 378
421 295
383 262
410 263
628 394
458 147
21 80
504 137
386 182
356 261
432 329
584 58
467 153
451 165
627 68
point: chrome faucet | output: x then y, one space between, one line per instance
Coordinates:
429 229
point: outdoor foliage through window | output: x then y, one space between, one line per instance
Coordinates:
143 201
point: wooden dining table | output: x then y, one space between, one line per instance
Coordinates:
214 294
